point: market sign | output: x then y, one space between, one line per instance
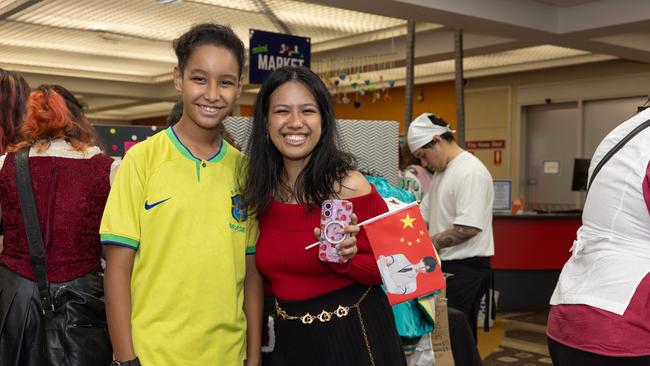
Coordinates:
270 51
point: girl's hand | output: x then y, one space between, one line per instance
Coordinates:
347 247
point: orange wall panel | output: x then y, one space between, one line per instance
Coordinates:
246 110
438 98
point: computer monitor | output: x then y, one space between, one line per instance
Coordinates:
580 174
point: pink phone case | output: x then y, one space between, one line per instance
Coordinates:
335 214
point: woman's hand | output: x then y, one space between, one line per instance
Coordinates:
347 247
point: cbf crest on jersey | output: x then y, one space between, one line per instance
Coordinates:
237 210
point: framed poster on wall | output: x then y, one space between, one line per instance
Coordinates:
502 195
551 167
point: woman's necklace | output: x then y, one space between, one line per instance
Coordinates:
286 192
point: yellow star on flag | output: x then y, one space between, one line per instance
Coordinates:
421 232
401 240
408 221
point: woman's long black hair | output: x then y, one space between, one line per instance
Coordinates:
327 165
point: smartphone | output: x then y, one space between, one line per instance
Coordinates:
335 214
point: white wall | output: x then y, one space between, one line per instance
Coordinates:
495 105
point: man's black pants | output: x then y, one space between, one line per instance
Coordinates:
469 281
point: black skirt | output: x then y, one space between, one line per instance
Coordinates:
21 329
365 336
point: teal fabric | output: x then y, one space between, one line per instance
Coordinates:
388 190
410 320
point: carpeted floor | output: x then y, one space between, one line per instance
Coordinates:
522 341
514 357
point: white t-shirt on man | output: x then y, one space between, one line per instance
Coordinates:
462 194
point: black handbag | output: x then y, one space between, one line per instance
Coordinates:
76 331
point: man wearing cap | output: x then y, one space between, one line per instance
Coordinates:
458 210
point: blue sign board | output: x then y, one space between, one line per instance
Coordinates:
269 51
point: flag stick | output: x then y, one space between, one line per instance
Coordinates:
373 219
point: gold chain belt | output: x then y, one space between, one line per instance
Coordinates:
324 316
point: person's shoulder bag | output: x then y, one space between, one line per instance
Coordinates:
76 331
615 149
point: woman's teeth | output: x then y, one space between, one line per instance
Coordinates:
209 109
295 139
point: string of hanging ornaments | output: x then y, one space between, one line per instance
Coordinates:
374 75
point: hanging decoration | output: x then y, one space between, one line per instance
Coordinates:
420 96
357 103
387 97
366 75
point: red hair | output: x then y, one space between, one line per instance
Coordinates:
55 113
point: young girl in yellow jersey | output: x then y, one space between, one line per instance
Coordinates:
181 282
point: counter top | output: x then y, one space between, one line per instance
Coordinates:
533 215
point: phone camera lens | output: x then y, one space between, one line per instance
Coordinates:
328 206
327 213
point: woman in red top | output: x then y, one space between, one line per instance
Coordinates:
295 165
70 179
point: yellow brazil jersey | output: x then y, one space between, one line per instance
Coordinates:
182 215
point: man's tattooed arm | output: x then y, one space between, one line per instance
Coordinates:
458 234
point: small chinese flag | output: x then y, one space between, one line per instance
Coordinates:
407 260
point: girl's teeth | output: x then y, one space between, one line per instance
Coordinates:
295 138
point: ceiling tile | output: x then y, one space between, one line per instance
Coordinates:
57 60
246 5
79 41
144 19
323 23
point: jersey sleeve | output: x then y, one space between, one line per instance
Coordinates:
121 220
252 226
252 233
